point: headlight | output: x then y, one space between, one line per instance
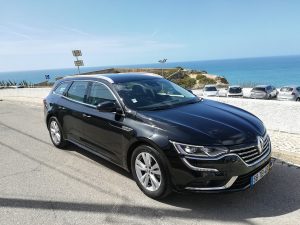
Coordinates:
202 151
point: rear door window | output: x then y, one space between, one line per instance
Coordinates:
78 91
99 93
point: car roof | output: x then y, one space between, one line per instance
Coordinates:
210 85
117 77
290 86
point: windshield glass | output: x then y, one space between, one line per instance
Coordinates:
235 89
210 89
286 89
259 89
153 94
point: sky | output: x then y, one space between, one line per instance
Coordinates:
42 34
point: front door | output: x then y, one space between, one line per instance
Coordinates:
103 129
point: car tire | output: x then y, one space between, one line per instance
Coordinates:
298 99
56 134
151 176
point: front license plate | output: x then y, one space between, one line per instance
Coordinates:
258 176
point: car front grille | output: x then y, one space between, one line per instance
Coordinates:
251 154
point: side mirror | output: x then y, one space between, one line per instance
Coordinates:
107 106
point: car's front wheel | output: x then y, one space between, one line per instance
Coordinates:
150 172
56 133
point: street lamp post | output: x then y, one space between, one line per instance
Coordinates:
162 61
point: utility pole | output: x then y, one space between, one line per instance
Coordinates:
78 63
162 61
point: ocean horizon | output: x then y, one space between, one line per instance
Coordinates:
276 70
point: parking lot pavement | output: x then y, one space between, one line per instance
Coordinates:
42 185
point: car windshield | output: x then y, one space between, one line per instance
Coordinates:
210 89
286 89
259 89
153 94
235 89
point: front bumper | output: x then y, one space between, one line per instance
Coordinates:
226 173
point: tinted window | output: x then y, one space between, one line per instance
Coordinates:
153 94
77 90
99 93
60 89
286 89
259 89
210 89
235 89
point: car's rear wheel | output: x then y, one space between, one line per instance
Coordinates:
56 133
298 99
150 172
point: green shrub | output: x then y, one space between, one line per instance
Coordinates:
186 82
205 80
222 80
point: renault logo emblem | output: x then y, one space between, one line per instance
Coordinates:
260 144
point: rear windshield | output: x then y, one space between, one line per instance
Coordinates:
286 89
258 89
235 89
210 89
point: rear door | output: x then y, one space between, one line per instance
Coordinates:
73 109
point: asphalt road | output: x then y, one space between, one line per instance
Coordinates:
40 184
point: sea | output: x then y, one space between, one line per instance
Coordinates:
277 71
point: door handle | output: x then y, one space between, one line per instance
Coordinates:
86 115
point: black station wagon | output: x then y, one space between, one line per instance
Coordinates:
168 138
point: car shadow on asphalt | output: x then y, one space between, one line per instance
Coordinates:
275 195
92 158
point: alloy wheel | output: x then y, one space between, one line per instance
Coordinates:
55 132
148 171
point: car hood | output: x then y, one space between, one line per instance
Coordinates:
206 123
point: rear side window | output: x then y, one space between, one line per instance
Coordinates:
99 93
78 90
61 88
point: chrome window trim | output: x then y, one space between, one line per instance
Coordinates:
226 186
92 76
